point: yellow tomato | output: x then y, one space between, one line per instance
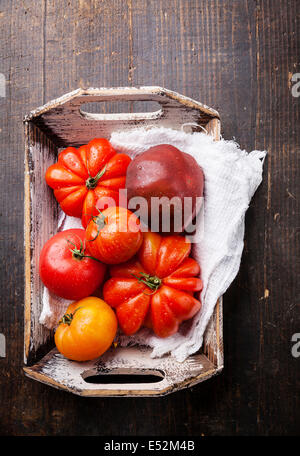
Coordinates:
87 329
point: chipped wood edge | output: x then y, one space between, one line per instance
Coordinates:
32 343
215 352
58 371
118 392
123 92
219 334
27 244
213 128
213 346
190 103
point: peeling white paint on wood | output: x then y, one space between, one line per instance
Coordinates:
2 346
125 361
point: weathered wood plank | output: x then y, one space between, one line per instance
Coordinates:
238 57
55 370
41 214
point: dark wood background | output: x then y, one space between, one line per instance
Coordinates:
238 57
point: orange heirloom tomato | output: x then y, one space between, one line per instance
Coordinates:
114 236
156 289
86 176
87 329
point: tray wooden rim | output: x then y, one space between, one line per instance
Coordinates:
213 128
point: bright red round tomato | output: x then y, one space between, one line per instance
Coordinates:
114 236
66 267
82 177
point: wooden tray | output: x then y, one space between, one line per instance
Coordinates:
121 371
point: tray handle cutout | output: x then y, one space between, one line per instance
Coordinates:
140 109
123 376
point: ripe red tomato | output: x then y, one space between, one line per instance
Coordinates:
156 289
114 236
86 176
66 267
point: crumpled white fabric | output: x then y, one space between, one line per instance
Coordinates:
231 178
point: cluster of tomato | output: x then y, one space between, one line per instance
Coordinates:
150 279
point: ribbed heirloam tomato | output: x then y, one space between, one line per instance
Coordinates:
90 175
87 329
66 267
156 289
114 236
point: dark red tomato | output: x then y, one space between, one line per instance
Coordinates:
164 173
66 267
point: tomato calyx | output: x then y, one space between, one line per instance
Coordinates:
92 182
153 282
100 221
79 254
68 317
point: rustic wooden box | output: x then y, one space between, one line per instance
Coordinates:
121 371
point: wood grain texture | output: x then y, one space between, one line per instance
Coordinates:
39 225
55 370
64 121
238 57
